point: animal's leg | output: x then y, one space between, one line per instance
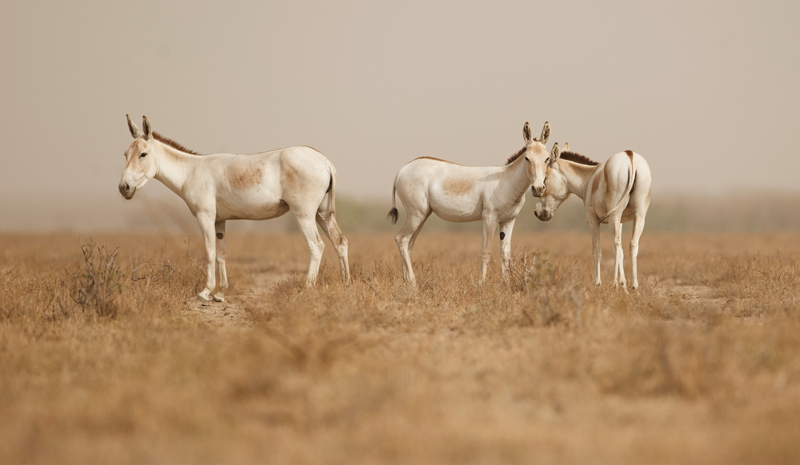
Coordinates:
331 229
619 270
505 244
597 252
638 227
222 254
414 221
416 233
315 245
206 222
489 226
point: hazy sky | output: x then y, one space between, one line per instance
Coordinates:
708 92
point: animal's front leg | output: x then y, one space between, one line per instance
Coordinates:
597 252
489 225
206 222
222 254
505 244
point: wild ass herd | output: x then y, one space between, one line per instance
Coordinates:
265 185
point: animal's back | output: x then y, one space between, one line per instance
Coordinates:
450 190
263 184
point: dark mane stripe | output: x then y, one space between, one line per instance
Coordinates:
577 158
172 143
516 155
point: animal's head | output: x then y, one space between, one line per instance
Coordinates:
555 191
536 157
140 165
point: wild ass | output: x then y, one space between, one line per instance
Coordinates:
458 193
613 192
224 186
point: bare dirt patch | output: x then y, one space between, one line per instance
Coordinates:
693 293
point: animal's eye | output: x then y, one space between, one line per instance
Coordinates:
143 155
548 160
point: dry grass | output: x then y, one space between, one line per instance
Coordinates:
106 360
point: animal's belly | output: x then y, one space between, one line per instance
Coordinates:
250 209
456 210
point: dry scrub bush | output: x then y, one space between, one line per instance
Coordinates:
93 286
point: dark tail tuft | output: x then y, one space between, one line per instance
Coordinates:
393 215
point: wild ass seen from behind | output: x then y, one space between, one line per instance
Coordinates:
458 193
613 192
224 186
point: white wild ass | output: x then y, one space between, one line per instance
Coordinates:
458 193
613 192
224 186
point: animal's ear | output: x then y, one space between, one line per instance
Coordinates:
555 153
566 147
545 133
146 127
135 132
526 133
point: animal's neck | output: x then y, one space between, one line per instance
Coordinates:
577 176
172 167
517 180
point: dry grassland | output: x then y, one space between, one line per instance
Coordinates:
113 361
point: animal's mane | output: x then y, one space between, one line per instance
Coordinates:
577 158
172 143
517 155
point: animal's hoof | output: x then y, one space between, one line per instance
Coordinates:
219 298
203 297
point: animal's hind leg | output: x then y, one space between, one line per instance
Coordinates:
638 227
331 229
222 254
315 245
416 233
414 221
597 252
619 270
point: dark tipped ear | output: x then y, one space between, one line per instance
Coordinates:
545 133
554 154
146 127
135 132
526 134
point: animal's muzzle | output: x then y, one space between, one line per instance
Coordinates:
126 190
544 215
537 191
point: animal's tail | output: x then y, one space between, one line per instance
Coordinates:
393 211
628 189
332 188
